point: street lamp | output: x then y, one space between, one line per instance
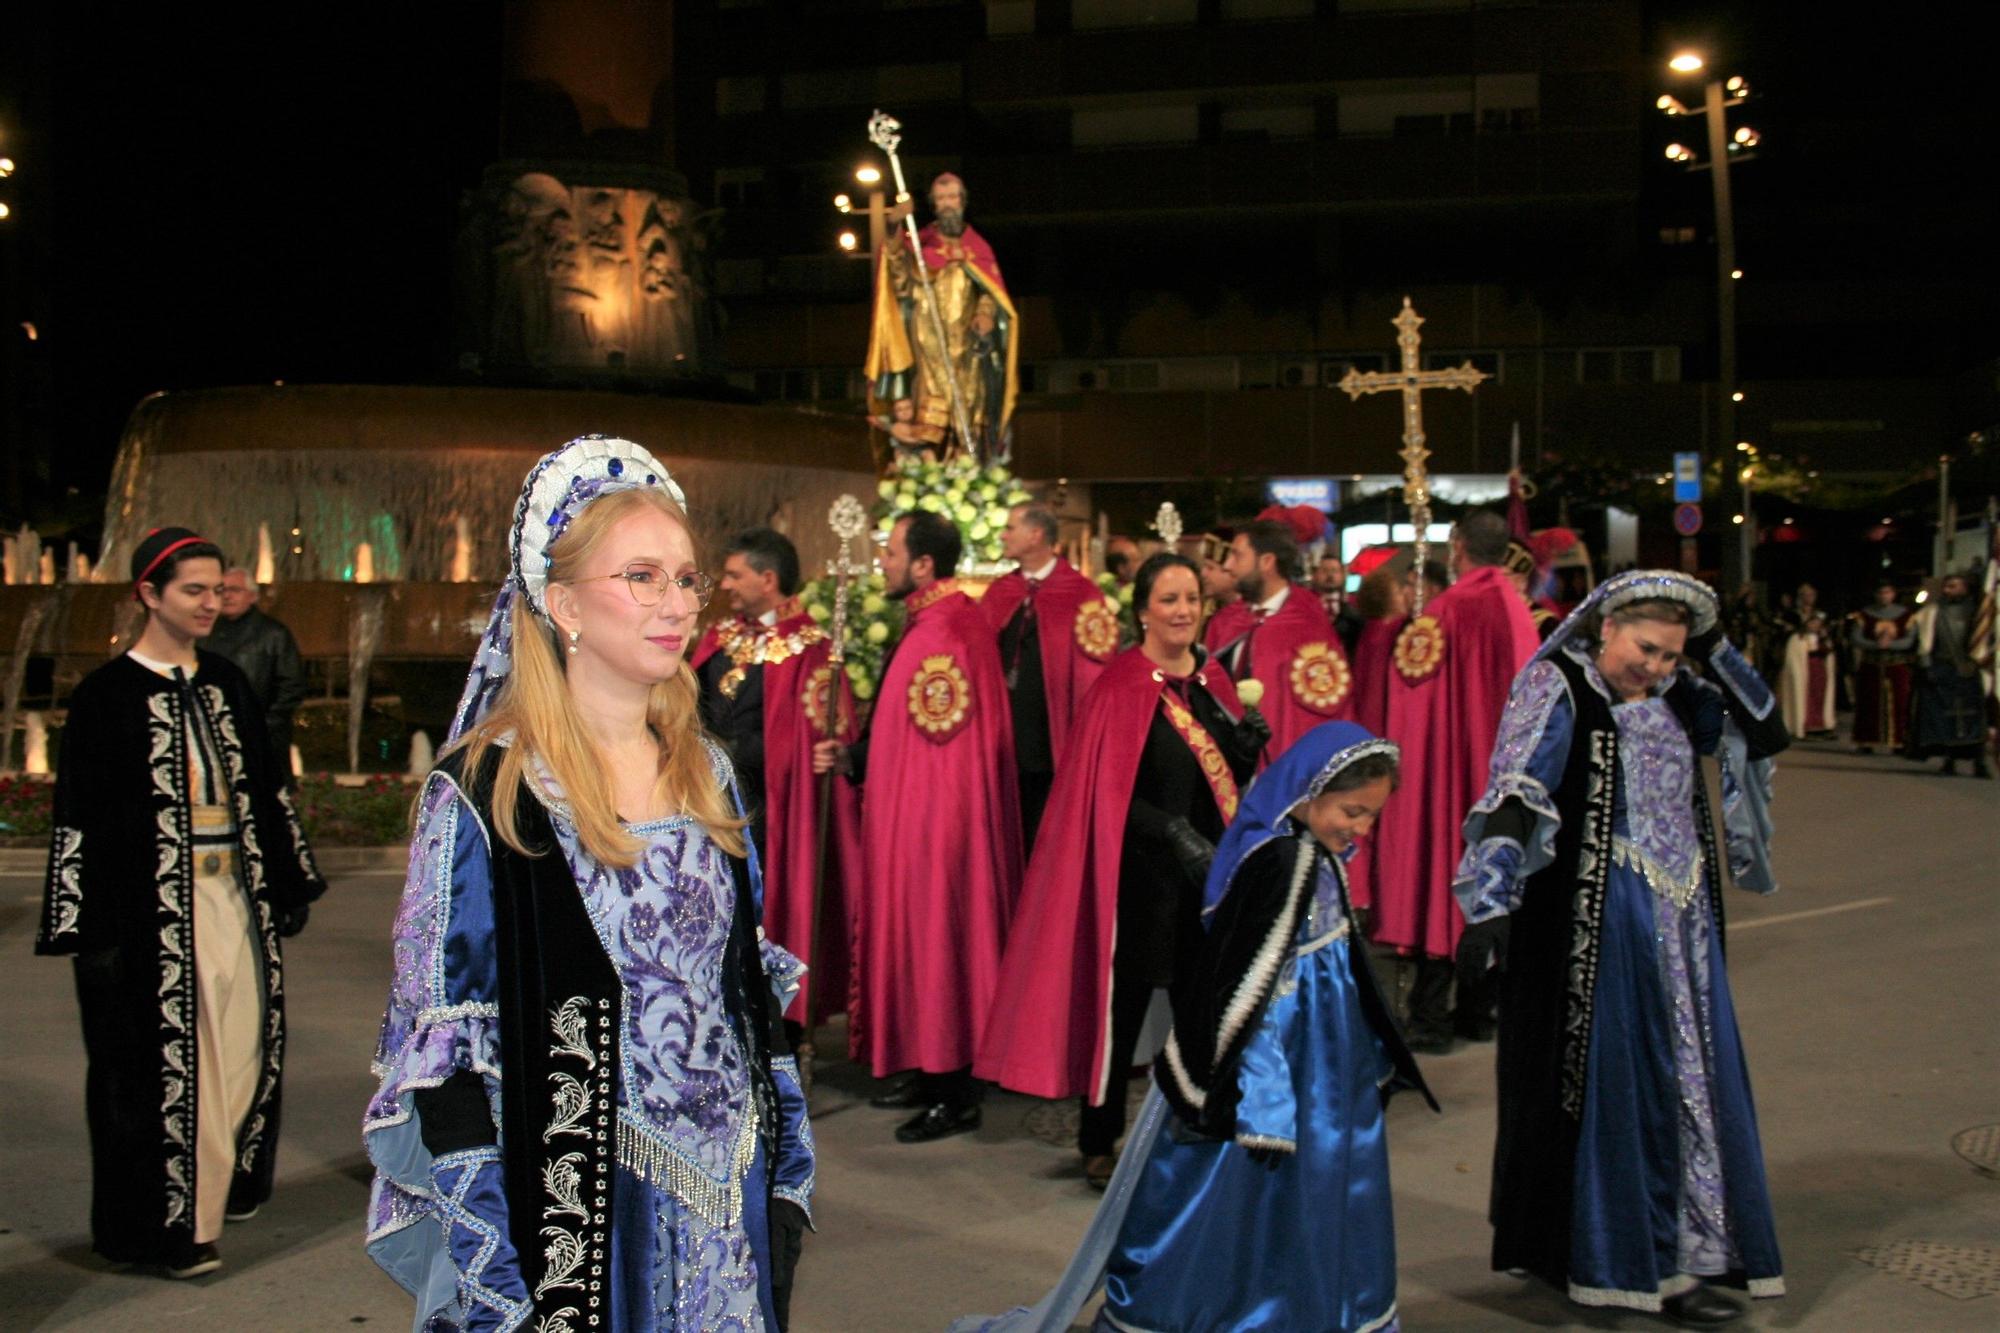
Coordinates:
1718 95
874 205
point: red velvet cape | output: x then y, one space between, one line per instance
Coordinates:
1373 666
975 247
1052 1016
1445 723
791 796
941 844
1068 669
1298 658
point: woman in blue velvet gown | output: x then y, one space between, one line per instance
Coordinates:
1254 1193
1628 1170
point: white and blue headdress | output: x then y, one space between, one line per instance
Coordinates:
1636 585
556 490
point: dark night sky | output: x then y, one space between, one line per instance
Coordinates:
273 195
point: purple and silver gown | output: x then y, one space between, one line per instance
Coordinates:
689 1235
1668 1183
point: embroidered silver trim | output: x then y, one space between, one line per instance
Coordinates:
571 1027
177 1106
65 881
717 1202
1266 1141
564 1254
571 1102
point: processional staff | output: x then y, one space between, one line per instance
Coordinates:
1412 380
885 132
848 520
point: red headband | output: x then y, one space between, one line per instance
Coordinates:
155 564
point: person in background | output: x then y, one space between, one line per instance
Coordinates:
1883 637
264 650
176 866
1951 704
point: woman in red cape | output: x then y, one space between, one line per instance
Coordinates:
1112 902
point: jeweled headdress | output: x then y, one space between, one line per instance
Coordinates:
555 491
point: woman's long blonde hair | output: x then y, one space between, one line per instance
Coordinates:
533 717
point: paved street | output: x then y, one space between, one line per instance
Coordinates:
1865 990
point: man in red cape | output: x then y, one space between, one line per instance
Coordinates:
1050 1032
1278 633
1453 665
766 682
1056 633
941 838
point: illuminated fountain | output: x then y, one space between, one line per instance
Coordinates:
395 504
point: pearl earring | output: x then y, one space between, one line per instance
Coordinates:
573 636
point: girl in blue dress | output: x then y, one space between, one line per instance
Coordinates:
1254 1193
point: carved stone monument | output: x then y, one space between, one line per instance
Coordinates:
576 270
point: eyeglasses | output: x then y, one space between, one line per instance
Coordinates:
648 584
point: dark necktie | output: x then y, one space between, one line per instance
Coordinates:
1025 616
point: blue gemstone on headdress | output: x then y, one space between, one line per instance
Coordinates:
616 466
652 480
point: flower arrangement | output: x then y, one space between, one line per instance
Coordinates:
1121 595
976 499
27 806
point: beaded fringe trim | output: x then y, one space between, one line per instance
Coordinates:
719 1203
1678 890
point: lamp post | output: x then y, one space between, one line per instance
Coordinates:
875 206
1718 95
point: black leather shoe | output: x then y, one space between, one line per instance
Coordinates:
193 1261
937 1121
904 1095
1701 1307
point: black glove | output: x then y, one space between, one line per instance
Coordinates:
1699 646
1194 852
1253 733
1483 941
293 920
788 1233
1268 1158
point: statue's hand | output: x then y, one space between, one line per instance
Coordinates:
900 210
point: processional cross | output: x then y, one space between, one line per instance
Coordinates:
1413 379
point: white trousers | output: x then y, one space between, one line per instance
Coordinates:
229 1026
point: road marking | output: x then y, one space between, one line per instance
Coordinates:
1857 905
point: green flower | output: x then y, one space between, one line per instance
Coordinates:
874 604
979 532
964 513
858 681
877 632
819 613
996 516
886 489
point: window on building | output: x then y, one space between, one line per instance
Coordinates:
1267 122
1085 15
1332 370
1120 126
1404 106
938 81
1010 18
1506 103
1255 11
1490 362
741 187
1677 236
739 94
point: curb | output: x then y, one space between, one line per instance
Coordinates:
332 860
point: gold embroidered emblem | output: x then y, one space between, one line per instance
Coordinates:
940 697
1420 649
813 697
1320 678
732 681
1097 629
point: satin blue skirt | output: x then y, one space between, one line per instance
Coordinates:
1216 1241
1669 1182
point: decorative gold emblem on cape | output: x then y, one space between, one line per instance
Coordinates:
1320 678
940 697
1214 768
1419 649
1097 629
813 697
751 645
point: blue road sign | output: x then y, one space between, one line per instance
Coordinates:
1687 519
1687 478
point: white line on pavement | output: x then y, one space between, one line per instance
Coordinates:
1856 905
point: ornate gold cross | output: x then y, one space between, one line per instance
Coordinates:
1413 379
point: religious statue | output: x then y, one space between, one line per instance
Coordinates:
592 279
945 337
